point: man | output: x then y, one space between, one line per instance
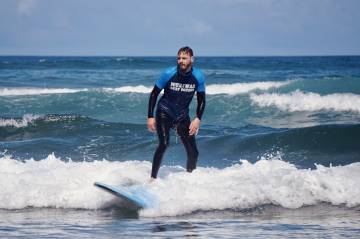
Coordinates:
179 84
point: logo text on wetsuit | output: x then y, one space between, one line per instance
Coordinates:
182 87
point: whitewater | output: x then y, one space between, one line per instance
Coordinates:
54 183
309 101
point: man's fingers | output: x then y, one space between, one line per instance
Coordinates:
151 125
193 130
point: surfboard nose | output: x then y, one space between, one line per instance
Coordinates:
136 195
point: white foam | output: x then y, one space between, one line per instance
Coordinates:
241 88
123 59
130 89
19 123
54 183
300 101
36 91
242 186
213 89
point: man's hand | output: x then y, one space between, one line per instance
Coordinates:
151 124
194 126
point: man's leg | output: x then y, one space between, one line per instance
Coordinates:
189 144
163 125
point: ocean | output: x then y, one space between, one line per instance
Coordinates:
279 148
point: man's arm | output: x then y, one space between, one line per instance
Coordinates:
152 102
195 124
200 104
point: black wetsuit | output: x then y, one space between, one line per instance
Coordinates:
173 111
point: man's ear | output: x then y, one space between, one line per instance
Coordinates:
192 59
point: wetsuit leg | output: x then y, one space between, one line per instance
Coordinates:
163 125
189 144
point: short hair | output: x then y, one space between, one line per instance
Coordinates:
186 50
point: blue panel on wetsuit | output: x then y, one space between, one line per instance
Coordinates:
165 77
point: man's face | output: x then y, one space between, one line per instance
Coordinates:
184 61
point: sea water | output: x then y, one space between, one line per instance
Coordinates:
279 149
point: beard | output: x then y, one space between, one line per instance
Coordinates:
184 67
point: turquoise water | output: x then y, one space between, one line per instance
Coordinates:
293 122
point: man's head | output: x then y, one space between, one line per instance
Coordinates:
185 58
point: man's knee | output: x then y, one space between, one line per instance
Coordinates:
196 153
163 145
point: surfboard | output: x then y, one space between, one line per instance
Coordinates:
136 196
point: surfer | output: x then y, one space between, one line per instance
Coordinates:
179 84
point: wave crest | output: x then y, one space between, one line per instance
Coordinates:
241 88
37 91
213 89
300 101
129 89
19 123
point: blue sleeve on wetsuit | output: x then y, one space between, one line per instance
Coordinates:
165 77
200 78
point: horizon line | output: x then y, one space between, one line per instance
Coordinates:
305 55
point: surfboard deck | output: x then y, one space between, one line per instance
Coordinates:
136 196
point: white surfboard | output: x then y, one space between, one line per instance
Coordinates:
137 196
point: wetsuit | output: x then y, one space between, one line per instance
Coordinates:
173 111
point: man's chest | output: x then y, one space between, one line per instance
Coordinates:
182 85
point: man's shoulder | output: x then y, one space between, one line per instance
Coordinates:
170 71
198 75
165 77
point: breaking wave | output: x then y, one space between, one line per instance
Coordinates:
301 101
55 183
